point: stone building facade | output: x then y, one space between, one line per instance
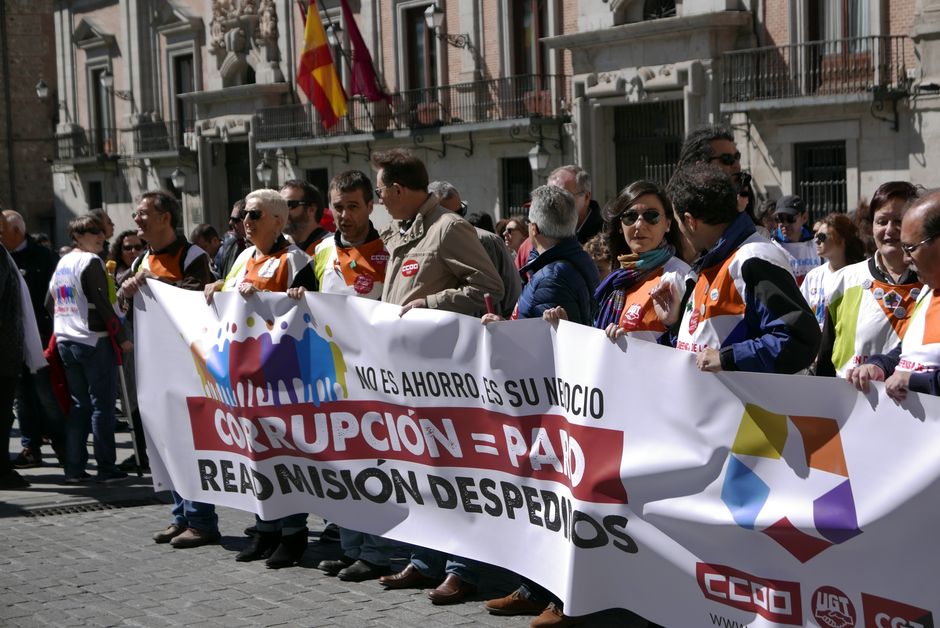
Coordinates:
828 98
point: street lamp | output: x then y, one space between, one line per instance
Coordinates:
42 90
264 172
178 178
538 157
333 32
434 20
107 82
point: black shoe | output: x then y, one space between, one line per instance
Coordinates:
28 459
112 477
333 567
251 531
290 551
261 545
129 464
11 481
78 479
362 570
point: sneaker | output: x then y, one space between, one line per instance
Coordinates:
172 531
28 459
78 479
12 481
191 537
516 603
110 478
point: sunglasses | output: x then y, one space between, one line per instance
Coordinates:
727 159
650 217
821 237
293 204
784 218
254 214
92 231
237 217
133 247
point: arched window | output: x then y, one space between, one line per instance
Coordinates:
656 9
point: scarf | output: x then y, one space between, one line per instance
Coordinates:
634 269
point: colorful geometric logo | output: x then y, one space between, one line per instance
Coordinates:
757 464
272 368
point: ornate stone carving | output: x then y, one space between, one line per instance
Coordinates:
247 30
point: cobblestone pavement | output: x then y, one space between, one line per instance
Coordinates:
83 556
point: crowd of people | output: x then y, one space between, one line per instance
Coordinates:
695 265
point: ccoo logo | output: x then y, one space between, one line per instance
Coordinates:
409 268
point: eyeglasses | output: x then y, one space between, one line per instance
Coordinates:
785 218
254 214
512 229
238 217
293 204
727 159
910 248
133 247
140 213
821 237
650 217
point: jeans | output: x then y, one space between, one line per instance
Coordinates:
435 564
371 548
538 593
91 373
38 411
287 525
197 515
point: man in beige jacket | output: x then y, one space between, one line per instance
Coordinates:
436 259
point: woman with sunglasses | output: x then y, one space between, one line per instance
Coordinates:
270 264
124 250
837 244
85 309
871 301
643 240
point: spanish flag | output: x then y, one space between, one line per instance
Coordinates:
316 73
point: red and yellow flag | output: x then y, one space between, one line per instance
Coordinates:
316 73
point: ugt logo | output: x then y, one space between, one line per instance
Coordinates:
777 460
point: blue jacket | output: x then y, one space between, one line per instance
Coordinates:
563 275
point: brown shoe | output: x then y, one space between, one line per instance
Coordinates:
408 578
172 531
514 604
191 537
451 591
553 617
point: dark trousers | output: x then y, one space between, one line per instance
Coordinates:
38 412
7 393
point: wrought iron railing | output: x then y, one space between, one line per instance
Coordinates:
823 197
465 103
155 137
87 143
818 68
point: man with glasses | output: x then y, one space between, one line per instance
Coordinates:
171 259
744 312
577 182
714 144
234 242
914 365
436 259
793 236
304 213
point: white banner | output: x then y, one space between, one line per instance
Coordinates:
615 475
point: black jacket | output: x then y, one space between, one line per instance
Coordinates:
37 264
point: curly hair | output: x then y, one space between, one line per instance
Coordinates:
848 233
117 248
627 198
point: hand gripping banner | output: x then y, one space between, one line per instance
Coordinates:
615 475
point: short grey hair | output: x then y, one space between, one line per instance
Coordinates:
553 211
270 200
442 189
582 179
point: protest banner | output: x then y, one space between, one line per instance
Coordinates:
615 475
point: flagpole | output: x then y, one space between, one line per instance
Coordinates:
349 65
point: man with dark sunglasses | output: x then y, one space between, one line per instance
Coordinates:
794 237
304 212
714 144
234 241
